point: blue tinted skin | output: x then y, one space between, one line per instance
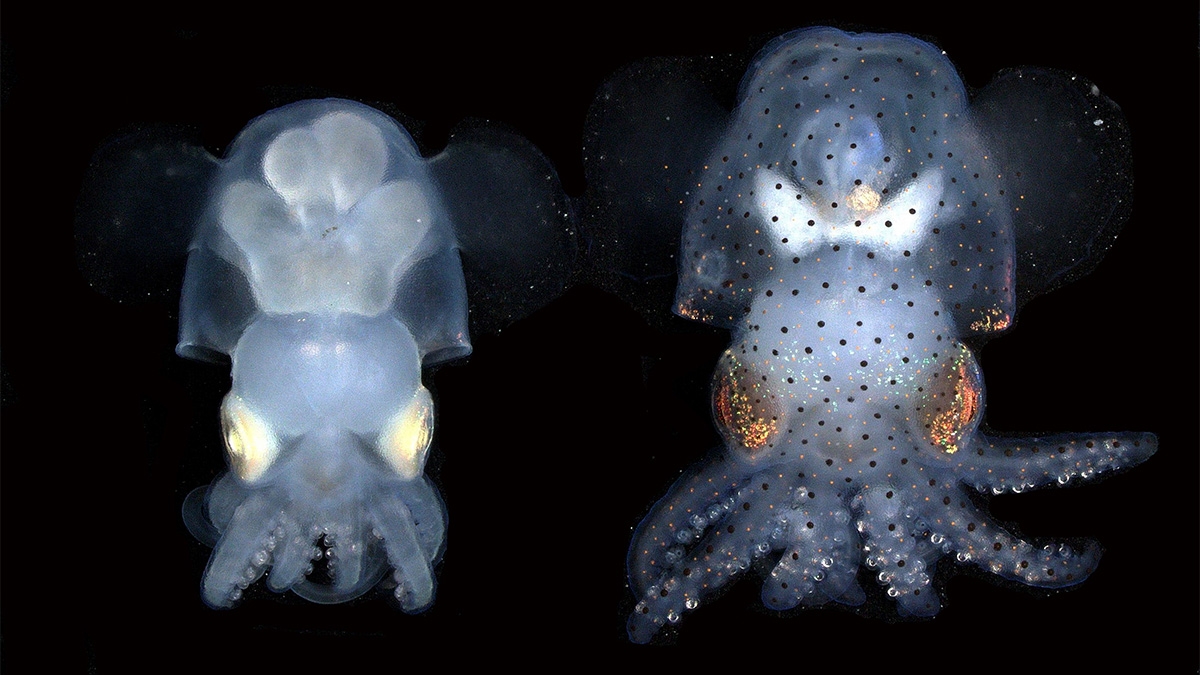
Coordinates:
856 222
323 261
321 222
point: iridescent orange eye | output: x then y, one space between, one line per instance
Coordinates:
404 441
744 407
952 400
249 441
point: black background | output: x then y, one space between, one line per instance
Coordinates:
556 436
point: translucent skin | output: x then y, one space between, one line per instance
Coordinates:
851 229
322 221
328 261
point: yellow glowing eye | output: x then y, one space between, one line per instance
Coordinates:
250 443
404 442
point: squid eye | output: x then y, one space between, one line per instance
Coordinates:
952 401
744 408
249 441
404 442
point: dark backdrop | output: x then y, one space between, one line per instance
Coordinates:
556 436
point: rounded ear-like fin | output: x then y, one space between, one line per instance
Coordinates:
1067 159
513 222
140 203
648 132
